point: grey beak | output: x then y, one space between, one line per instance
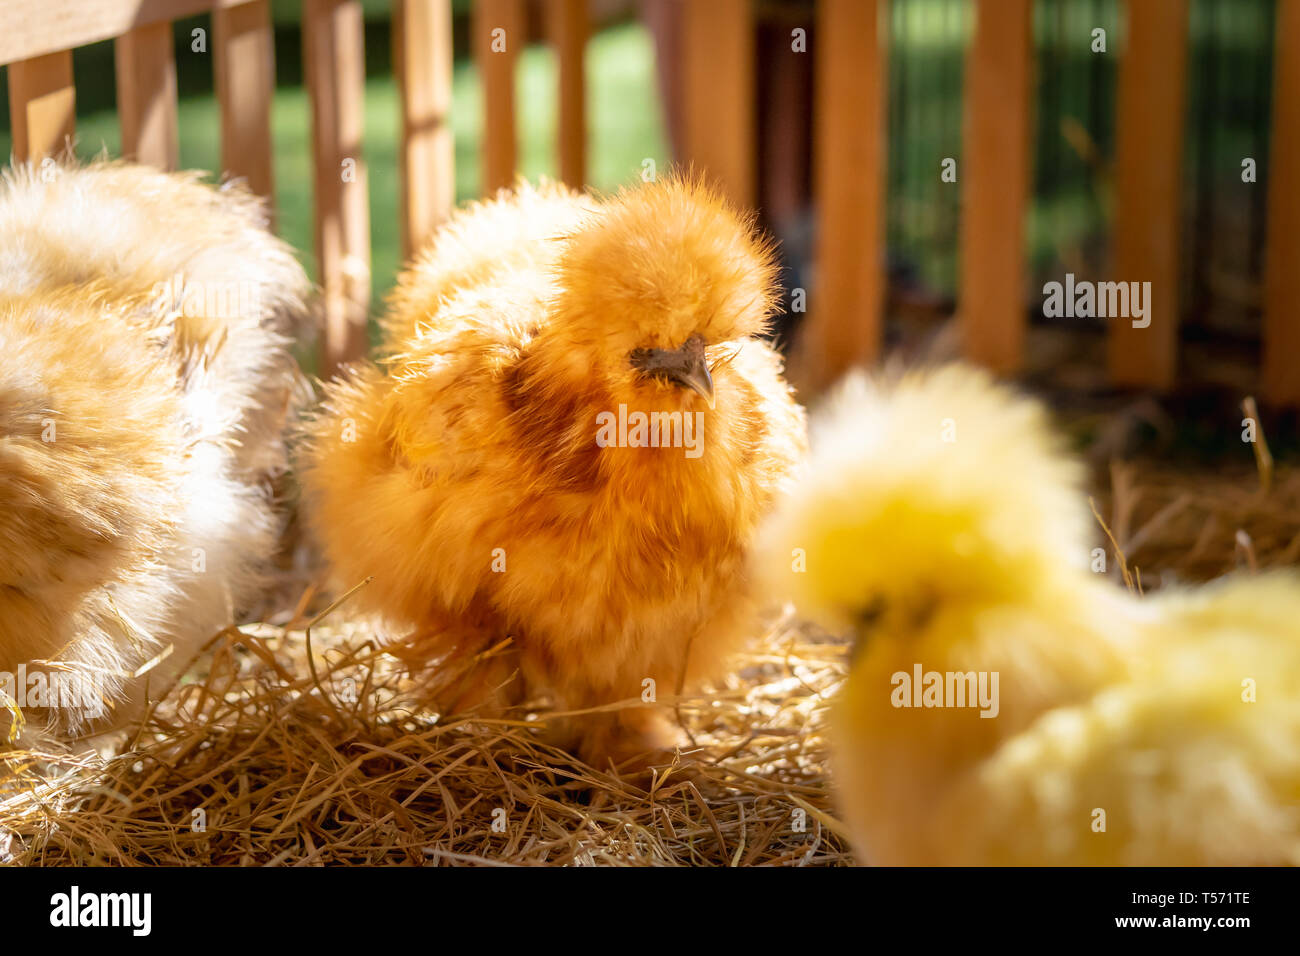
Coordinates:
696 377
687 366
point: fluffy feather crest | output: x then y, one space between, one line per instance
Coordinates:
663 262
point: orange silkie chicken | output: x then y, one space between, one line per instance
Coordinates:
1005 704
572 445
145 380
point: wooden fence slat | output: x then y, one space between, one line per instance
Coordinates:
994 169
1281 359
1151 98
42 105
569 28
32 28
244 52
335 64
844 322
718 59
422 57
498 27
146 95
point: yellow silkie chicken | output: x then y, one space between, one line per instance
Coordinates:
576 435
144 384
1005 705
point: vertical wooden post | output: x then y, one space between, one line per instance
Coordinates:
1148 188
718 59
244 48
844 323
1281 373
146 95
569 31
498 27
422 57
994 170
335 60
42 105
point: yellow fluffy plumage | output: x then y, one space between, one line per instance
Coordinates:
940 522
144 323
469 481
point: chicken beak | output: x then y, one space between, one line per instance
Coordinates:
865 622
696 377
687 366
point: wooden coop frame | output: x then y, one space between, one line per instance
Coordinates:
844 324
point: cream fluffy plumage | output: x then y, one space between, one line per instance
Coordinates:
144 384
941 523
468 480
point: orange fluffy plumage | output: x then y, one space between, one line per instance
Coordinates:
144 385
499 481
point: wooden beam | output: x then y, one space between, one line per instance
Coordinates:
1148 189
335 62
32 28
569 30
498 27
844 322
244 53
995 169
146 95
718 60
422 57
42 105
1282 249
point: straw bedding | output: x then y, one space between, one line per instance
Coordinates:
253 760
280 748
